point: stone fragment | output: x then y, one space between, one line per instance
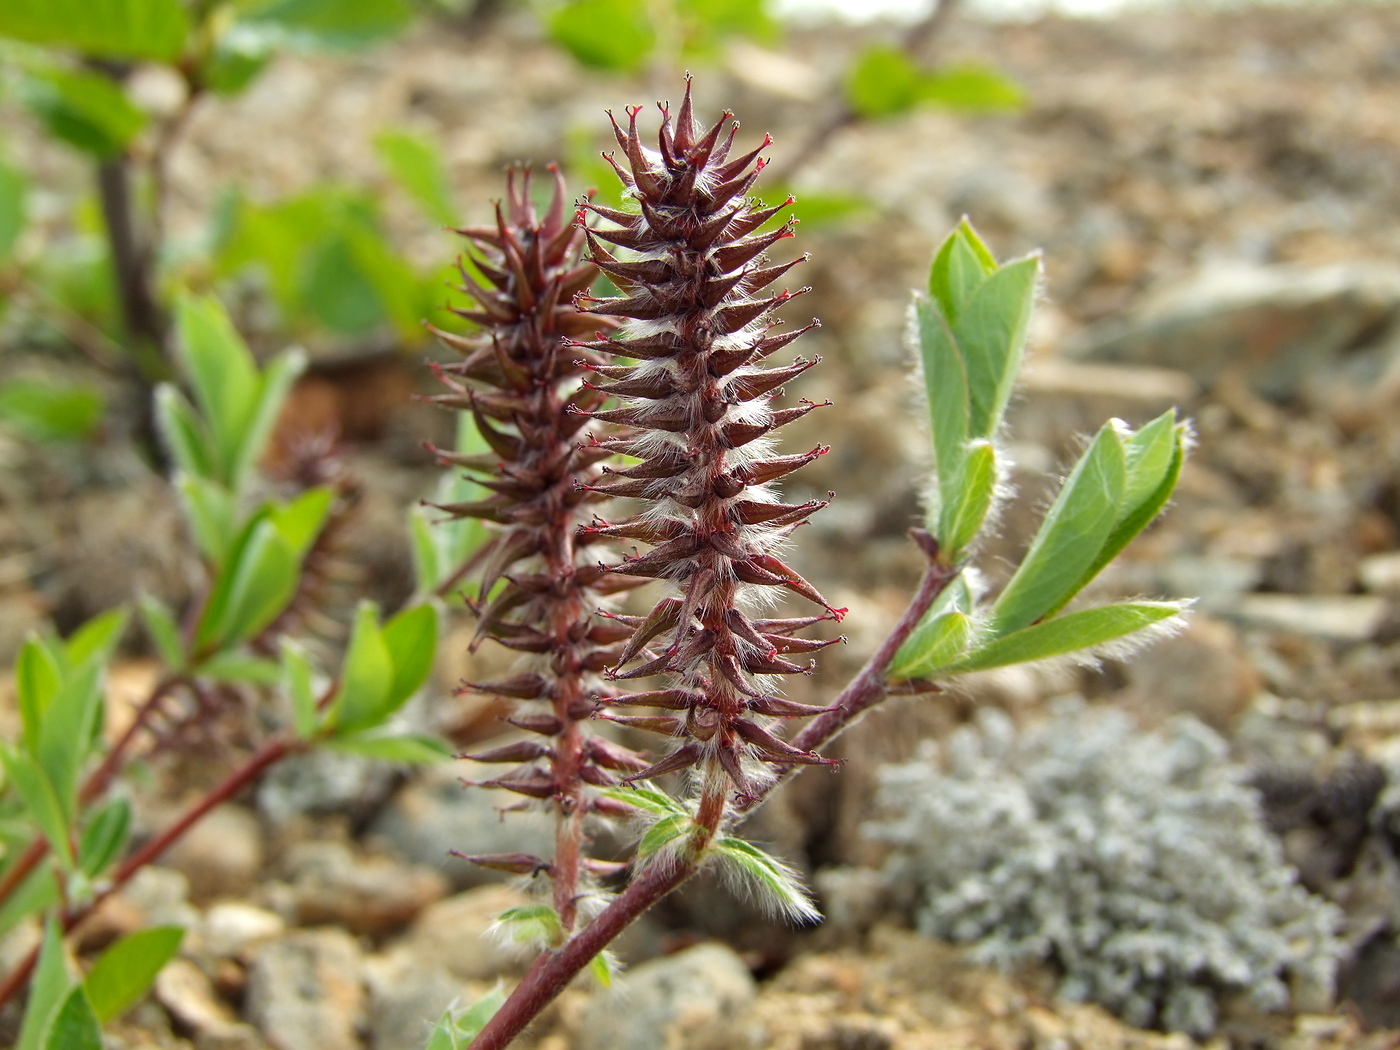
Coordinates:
231 928
1336 618
305 991
1290 330
183 989
660 1003
1380 573
434 814
1202 671
407 995
366 894
1063 400
454 934
321 782
222 855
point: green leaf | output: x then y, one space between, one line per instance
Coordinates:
408 749
961 266
137 29
648 799
1082 517
67 733
185 436
945 385
991 332
882 82
616 35
95 641
411 637
1069 633
663 832
37 679
935 644
163 631
42 410
12 208
255 586
241 667
965 508
454 1033
82 108
47 991
366 677
104 837
298 683
124 972
427 567
223 374
971 88
34 895
212 513
277 380
338 291
417 166
300 521
603 967
40 800
75 1025
316 24
532 923
1141 506
777 886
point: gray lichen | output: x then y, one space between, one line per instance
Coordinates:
1138 863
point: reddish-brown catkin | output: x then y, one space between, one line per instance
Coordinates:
698 402
520 379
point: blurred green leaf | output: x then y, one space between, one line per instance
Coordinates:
412 640
403 748
82 108
276 382
12 210
124 972
972 88
298 679
882 82
1072 632
223 374
315 24
366 676
74 1025
40 800
47 990
530 923
95 641
663 832
163 631
137 29
302 520
104 837
184 434
418 167
240 667
37 678
338 291
256 583
616 35
211 511
1069 539
66 734
234 62
49 411
933 645
706 23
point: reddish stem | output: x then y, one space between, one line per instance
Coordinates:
268 755
553 970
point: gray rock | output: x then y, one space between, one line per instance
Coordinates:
1290 330
322 782
305 991
1380 573
454 933
221 855
1337 618
656 1006
231 928
366 894
435 814
406 997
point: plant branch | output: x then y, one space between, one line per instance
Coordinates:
553 970
258 763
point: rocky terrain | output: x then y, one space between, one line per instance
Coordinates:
1216 195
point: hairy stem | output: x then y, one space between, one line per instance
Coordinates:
554 970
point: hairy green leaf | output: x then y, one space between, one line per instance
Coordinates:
124 972
934 644
961 266
651 800
663 832
991 332
775 884
965 507
945 385
1068 542
532 923
1072 632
